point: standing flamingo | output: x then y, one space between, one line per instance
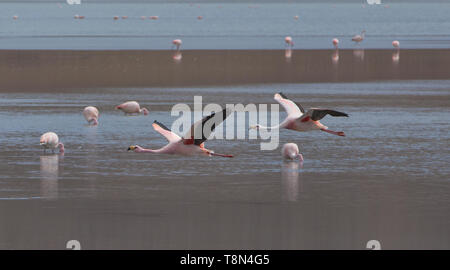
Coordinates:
359 38
335 55
132 107
91 115
189 144
50 140
177 43
15 17
177 55
299 120
396 44
290 151
335 43
289 42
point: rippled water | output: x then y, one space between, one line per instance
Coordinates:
389 177
224 25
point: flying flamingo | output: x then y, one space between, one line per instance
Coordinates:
335 43
289 42
191 145
50 140
290 151
359 38
396 44
299 120
91 115
132 107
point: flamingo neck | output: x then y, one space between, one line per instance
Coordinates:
93 121
61 147
144 110
155 151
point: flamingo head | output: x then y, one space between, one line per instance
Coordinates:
93 122
135 148
61 147
257 127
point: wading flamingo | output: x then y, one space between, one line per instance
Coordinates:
289 42
15 17
396 44
299 120
359 38
290 151
191 145
177 43
91 115
132 107
335 43
50 140
116 17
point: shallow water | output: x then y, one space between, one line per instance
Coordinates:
388 179
224 25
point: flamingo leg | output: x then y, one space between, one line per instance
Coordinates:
338 133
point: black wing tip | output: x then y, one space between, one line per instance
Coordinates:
161 125
282 95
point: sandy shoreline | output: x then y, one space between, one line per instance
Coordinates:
29 70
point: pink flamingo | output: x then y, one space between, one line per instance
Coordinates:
359 38
132 107
290 151
191 145
116 17
15 17
177 43
296 17
124 17
335 43
91 115
154 17
299 120
177 55
289 42
50 140
200 17
396 44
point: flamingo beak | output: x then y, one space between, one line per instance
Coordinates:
131 148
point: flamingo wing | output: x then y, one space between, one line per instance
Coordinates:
293 109
166 132
317 114
202 129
